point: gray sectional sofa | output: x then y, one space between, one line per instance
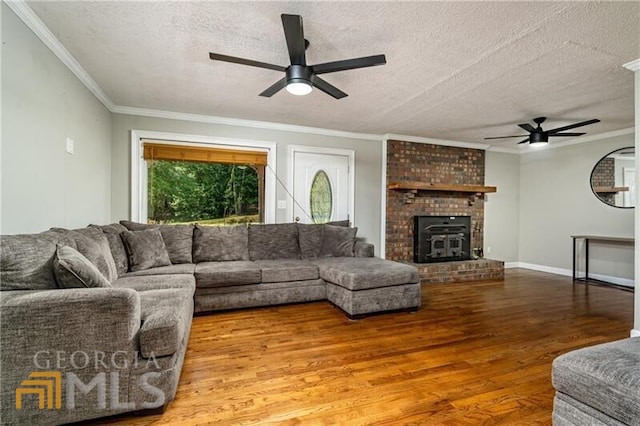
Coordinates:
598 385
95 321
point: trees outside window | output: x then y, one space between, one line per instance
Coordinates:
203 192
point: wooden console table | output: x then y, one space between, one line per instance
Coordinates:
587 238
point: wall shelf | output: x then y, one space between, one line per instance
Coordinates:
423 186
411 189
610 190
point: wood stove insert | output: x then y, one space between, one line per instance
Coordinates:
441 238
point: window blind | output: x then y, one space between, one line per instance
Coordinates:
158 151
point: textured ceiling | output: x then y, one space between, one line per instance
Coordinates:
455 70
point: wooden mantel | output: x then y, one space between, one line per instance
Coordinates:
609 189
411 189
423 186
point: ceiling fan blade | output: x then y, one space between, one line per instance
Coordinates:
294 35
572 126
327 88
275 88
524 141
568 134
505 137
242 61
349 64
528 127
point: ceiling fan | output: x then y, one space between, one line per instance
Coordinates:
300 77
538 136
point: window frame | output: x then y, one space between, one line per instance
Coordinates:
139 179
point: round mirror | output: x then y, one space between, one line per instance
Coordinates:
613 178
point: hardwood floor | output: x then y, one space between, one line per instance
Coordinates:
475 353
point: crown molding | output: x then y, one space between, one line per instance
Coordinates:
420 139
585 139
505 150
267 125
31 20
633 65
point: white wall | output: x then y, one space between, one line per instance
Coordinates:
368 163
42 104
502 208
556 202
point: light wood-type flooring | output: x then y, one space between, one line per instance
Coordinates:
475 353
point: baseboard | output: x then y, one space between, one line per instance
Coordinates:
544 268
626 282
635 333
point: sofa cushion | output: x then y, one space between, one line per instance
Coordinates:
94 245
220 243
145 249
179 242
156 282
112 228
73 270
282 270
165 316
119 253
177 238
181 268
220 274
605 377
359 273
310 240
26 260
273 241
338 241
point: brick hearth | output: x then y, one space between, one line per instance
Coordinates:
466 270
436 164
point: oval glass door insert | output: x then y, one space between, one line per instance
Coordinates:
320 198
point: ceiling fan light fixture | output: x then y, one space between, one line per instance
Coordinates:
538 139
538 144
299 88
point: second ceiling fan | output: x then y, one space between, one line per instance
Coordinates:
300 77
538 136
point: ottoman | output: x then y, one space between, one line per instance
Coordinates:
598 385
361 286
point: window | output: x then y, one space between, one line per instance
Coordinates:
187 184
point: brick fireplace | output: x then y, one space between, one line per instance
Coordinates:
441 166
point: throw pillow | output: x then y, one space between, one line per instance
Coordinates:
177 238
119 253
93 244
145 249
338 241
220 243
310 239
73 270
273 241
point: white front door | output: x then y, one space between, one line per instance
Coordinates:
322 185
